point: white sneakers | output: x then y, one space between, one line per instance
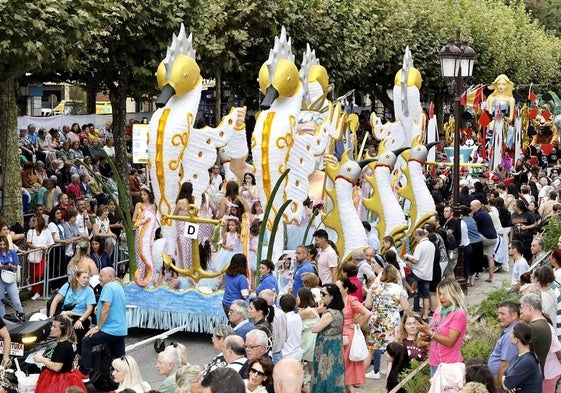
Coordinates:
373 375
35 296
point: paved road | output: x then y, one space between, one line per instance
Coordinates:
199 351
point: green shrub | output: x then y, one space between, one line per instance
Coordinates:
420 382
480 339
551 233
489 307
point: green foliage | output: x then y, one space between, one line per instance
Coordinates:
420 381
551 233
488 308
37 35
480 339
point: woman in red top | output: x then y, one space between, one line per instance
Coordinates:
354 371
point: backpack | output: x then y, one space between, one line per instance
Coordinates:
101 377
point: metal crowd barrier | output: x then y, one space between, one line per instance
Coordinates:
55 267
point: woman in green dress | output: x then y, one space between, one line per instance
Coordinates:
328 368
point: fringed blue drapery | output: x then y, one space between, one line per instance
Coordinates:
164 308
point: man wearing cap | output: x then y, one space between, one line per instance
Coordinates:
365 273
328 260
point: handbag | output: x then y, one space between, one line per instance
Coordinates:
359 350
362 321
35 256
8 276
68 307
60 305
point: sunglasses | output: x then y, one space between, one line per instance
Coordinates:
251 347
124 359
254 371
324 294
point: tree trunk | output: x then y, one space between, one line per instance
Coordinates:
9 155
381 94
91 95
118 97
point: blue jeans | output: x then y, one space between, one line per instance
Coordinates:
377 359
116 345
12 291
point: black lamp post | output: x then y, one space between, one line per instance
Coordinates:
456 59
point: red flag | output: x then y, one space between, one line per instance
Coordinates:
546 115
473 96
533 113
484 119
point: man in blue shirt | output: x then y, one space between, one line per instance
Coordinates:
303 266
111 326
504 350
238 317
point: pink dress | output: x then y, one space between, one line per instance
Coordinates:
354 371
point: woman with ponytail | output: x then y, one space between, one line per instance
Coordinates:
523 374
262 316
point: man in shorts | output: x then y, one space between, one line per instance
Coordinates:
421 267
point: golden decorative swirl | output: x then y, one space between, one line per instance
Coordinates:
159 162
286 141
265 170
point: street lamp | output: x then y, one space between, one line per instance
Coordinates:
456 59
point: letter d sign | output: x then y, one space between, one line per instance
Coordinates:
191 230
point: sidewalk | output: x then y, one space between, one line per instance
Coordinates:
475 295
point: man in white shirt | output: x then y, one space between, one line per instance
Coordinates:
520 264
328 260
82 219
234 352
365 273
421 266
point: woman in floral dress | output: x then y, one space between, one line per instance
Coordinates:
385 299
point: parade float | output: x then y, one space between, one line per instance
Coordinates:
293 147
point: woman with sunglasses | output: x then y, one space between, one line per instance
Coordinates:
328 367
259 376
59 372
126 373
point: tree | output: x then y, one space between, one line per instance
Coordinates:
127 60
233 39
36 36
